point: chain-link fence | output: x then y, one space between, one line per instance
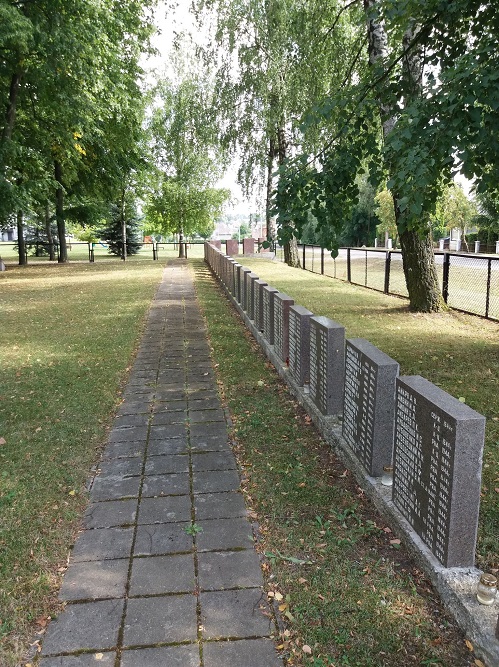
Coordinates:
469 283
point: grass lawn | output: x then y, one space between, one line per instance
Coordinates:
68 333
346 589
457 352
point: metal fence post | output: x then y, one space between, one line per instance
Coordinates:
445 277
304 264
322 261
388 261
487 299
349 267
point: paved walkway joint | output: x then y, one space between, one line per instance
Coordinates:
165 572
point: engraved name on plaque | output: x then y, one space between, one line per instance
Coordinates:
299 344
327 364
369 405
282 303
437 468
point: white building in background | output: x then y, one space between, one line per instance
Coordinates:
9 235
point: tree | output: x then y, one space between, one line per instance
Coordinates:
122 215
188 158
58 60
386 214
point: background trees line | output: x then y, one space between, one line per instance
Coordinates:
324 105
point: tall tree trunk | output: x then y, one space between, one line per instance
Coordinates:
59 214
291 255
48 231
123 227
269 218
417 248
10 114
20 239
181 247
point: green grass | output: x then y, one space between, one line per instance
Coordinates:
459 353
68 334
346 590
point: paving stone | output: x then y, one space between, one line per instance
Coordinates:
167 432
103 543
132 434
221 534
204 403
169 619
214 430
161 465
219 506
202 394
85 626
206 416
213 461
141 419
169 656
170 406
168 446
109 514
215 481
94 580
166 388
163 574
130 407
170 417
163 394
114 488
229 569
124 467
165 510
242 653
163 538
133 393
201 443
166 485
119 450
233 614
85 660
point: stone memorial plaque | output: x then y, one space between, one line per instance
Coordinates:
258 303
327 364
251 295
299 344
247 305
217 244
437 468
248 246
369 405
282 303
242 286
268 313
235 287
232 247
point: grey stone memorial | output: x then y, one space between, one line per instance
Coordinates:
299 344
248 246
437 468
252 289
268 313
327 364
282 303
235 286
258 303
242 286
248 297
369 405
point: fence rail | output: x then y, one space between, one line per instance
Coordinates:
468 282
